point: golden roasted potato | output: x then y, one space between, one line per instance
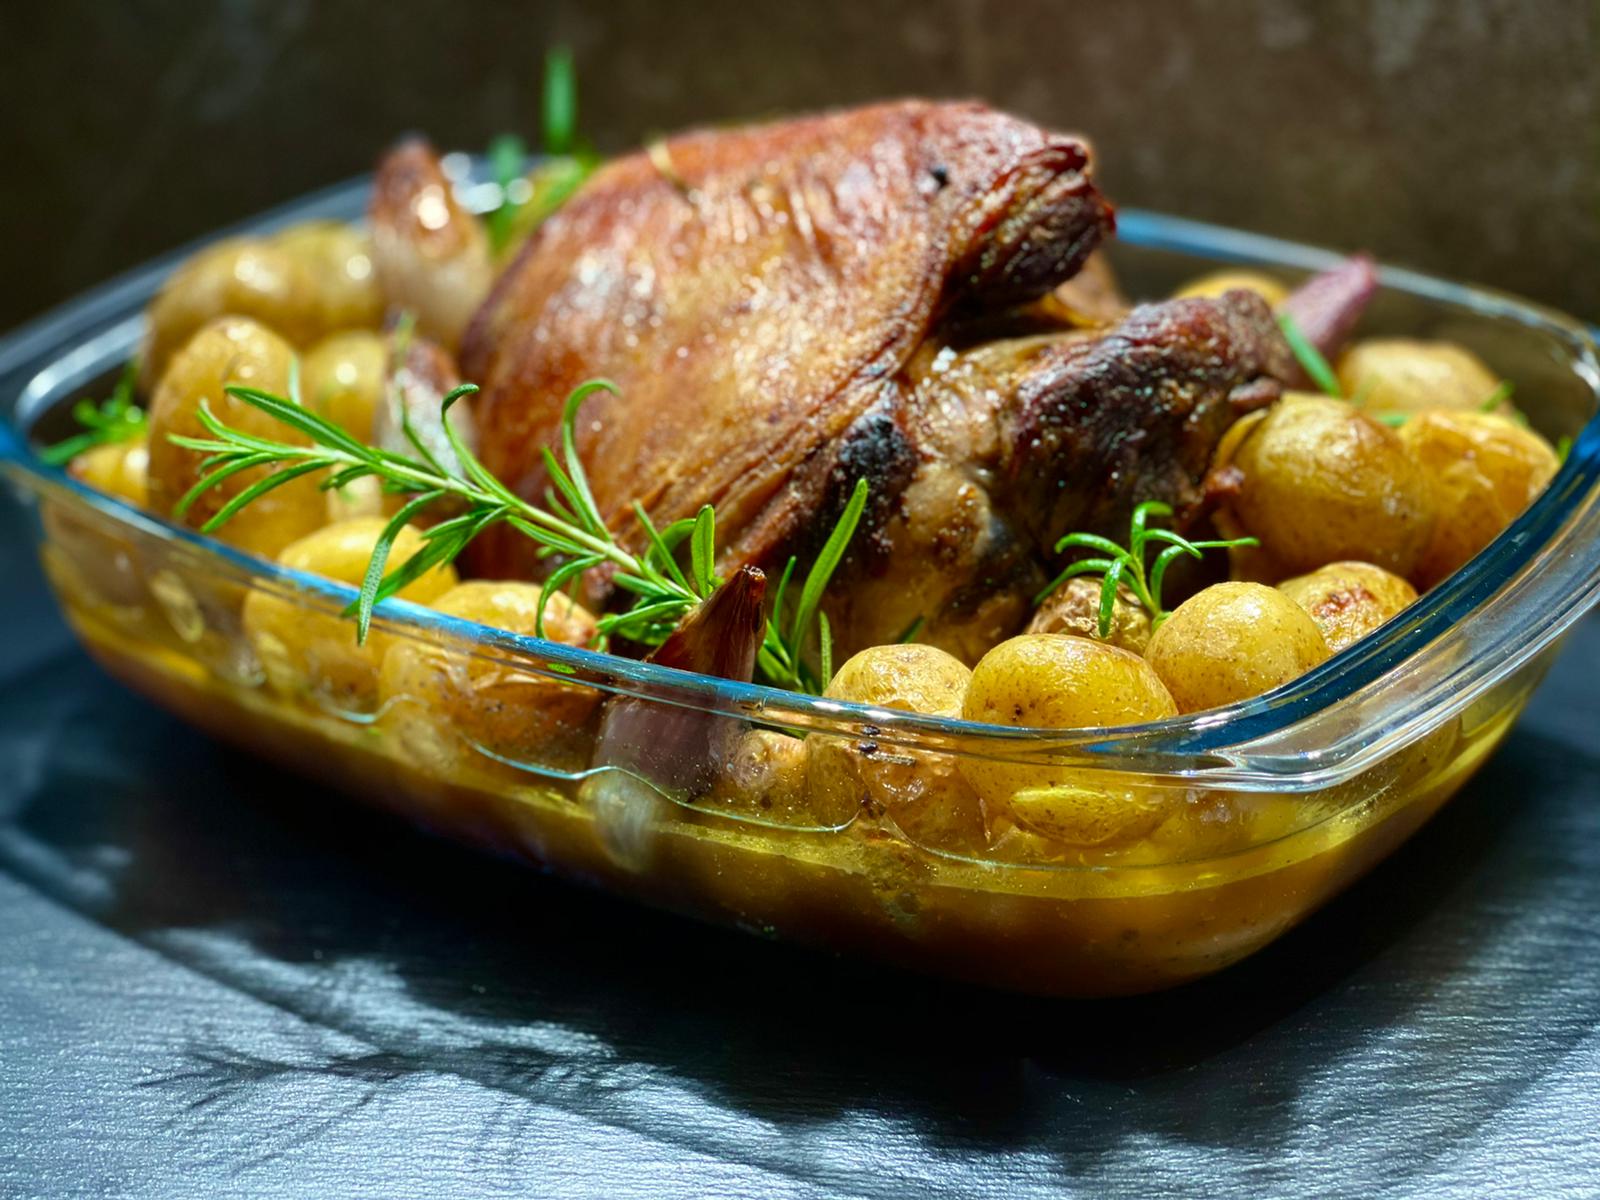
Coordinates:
922 792
1407 375
120 469
1348 600
315 653
241 277
1074 608
1318 482
513 711
1233 641
342 378
1218 283
229 350
1484 469
91 557
338 259
1056 681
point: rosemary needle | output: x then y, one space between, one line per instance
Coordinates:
1127 567
569 526
114 419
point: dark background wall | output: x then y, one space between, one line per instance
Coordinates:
1462 136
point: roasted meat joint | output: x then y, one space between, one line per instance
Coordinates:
866 295
807 524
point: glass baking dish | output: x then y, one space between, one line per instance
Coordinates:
662 788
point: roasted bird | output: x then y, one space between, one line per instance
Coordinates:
789 308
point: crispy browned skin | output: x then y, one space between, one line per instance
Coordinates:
1020 441
755 294
791 308
1100 425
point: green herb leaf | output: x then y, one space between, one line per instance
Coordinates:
824 648
827 562
1119 567
664 548
553 583
115 419
560 101
256 490
507 154
1501 395
1310 358
703 550
376 565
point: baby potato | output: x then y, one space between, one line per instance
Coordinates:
1052 680
241 277
342 378
120 469
1318 482
518 714
1074 608
1348 600
923 793
1219 282
1407 375
229 350
1485 469
765 778
1233 641
338 259
316 652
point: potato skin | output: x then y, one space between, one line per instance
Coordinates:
1484 470
311 652
342 378
518 714
337 258
1318 482
1056 681
923 793
1407 375
240 277
120 469
1348 600
229 350
764 778
1218 283
303 284
1233 641
1074 608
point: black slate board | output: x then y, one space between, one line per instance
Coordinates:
216 978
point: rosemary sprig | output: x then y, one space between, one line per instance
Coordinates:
1127 566
560 109
1309 357
1501 395
569 526
527 200
782 657
117 418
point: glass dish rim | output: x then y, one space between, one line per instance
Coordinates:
1227 747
